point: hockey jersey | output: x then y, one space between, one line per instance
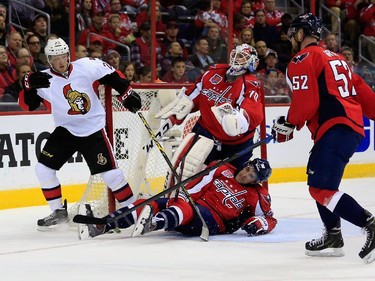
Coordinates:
324 92
212 89
230 203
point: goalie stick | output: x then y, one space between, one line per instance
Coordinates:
93 220
165 127
205 233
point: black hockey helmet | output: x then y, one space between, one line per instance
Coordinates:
310 24
262 168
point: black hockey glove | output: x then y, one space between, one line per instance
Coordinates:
133 102
35 80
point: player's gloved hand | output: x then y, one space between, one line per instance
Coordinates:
132 102
282 130
256 226
35 80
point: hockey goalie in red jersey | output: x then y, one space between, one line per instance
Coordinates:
228 199
79 119
229 100
331 100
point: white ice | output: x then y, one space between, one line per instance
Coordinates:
27 254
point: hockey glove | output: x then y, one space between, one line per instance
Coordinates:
282 130
256 226
36 80
132 102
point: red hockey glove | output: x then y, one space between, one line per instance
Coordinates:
282 131
256 226
35 80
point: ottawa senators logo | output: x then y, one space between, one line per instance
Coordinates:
79 102
101 159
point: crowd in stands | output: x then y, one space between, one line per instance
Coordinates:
191 36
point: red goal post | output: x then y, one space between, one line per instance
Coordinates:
144 168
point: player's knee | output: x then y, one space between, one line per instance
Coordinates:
322 196
184 210
114 179
46 176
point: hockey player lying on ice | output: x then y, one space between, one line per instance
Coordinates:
228 199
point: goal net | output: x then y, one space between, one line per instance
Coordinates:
143 165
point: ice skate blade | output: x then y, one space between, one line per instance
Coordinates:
329 252
369 258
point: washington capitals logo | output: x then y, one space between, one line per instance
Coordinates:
300 58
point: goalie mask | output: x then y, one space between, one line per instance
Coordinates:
243 58
254 171
56 47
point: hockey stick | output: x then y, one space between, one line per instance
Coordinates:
164 127
93 220
205 233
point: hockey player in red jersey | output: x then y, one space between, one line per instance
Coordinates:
79 119
329 98
228 199
229 100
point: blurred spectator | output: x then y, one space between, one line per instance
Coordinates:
23 57
238 24
113 58
218 50
97 26
367 18
348 54
140 49
7 72
283 48
247 36
121 21
171 35
335 8
262 49
271 60
59 18
23 15
212 15
96 44
145 74
5 27
286 20
129 71
273 16
81 51
236 6
275 88
84 16
39 59
144 16
263 31
351 28
177 72
257 5
248 14
40 29
12 91
200 57
174 51
236 42
134 6
14 41
96 54
332 43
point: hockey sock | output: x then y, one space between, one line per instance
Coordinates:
167 219
348 209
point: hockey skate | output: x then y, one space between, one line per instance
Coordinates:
58 216
144 223
367 252
88 230
329 245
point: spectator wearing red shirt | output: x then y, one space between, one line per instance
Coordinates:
367 18
273 16
144 16
177 73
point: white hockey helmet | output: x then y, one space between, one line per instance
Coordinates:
56 47
242 58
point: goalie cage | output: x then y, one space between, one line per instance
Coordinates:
144 167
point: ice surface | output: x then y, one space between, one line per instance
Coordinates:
28 254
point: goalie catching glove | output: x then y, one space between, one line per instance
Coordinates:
282 130
131 100
179 108
234 122
36 80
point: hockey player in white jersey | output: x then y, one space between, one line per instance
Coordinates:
79 119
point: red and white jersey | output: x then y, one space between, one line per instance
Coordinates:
227 199
74 102
212 89
323 92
